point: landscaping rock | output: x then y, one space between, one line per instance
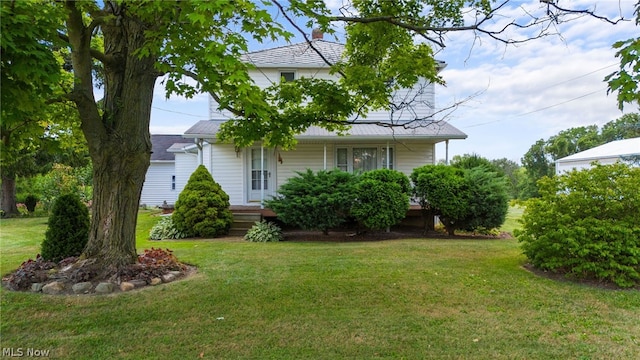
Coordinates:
53 288
175 273
168 278
138 283
82 288
36 287
156 281
127 286
105 288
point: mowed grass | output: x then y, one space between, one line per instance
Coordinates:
411 299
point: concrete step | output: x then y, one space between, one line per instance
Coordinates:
252 217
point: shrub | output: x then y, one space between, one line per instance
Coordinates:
488 200
468 199
315 201
68 229
382 198
263 231
202 208
166 229
30 202
440 190
586 224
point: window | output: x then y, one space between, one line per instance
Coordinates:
360 159
287 76
173 182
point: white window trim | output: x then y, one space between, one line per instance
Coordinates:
382 149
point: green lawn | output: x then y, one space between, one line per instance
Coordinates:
411 299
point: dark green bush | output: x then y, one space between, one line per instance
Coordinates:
202 208
466 199
440 190
30 202
68 229
586 224
382 198
315 201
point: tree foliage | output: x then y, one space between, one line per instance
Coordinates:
202 208
586 224
625 80
315 201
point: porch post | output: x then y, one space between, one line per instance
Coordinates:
446 152
261 177
388 155
325 156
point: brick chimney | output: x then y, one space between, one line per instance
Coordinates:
316 34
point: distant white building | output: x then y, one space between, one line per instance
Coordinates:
160 181
626 151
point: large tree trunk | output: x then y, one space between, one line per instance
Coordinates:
118 139
8 198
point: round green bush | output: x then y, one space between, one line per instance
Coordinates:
263 231
586 225
68 229
382 198
202 208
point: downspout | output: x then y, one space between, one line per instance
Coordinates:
199 144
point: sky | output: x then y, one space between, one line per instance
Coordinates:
513 95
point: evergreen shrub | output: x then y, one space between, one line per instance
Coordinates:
202 208
315 201
381 198
68 229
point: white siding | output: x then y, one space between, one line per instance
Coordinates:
568 165
418 102
228 170
305 156
157 184
186 164
411 155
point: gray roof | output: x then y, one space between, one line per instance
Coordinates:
300 55
160 144
437 131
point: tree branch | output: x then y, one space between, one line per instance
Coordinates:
304 35
94 53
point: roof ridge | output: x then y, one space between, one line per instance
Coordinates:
293 44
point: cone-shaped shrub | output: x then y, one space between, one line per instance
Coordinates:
68 229
202 208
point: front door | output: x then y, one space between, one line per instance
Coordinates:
261 174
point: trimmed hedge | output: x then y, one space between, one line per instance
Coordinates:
67 230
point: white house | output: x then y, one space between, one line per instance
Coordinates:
627 150
160 181
251 175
